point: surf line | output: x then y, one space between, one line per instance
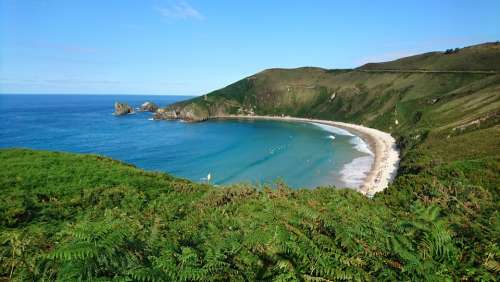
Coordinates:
380 144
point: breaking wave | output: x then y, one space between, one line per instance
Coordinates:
354 173
360 145
333 129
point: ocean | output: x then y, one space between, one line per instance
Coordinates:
303 155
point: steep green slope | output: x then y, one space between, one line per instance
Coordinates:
421 105
82 217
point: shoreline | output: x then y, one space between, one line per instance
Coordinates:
382 145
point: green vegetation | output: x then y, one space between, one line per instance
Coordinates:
83 217
482 57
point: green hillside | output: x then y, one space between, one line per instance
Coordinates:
425 108
482 57
77 217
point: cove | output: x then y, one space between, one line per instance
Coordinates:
303 155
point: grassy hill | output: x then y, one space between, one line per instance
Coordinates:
417 107
482 57
84 217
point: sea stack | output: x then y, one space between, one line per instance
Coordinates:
122 109
148 107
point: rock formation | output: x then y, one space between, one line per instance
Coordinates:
148 107
122 109
189 113
165 114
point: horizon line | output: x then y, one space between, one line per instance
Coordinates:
102 94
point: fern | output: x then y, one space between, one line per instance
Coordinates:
95 249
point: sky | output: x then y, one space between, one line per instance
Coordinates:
192 47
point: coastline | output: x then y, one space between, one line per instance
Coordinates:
382 145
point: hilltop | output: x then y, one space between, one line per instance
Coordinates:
482 57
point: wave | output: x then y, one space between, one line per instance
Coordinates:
360 145
354 173
151 119
331 137
333 129
273 153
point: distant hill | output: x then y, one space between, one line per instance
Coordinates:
482 57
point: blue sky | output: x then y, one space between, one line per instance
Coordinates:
192 47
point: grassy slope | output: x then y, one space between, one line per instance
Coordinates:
67 216
474 58
406 104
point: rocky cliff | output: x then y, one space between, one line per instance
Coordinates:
148 107
122 109
187 112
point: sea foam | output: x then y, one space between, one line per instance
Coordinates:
360 145
333 129
354 173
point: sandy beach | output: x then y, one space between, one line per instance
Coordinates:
382 144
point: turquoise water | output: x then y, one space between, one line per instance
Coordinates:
300 154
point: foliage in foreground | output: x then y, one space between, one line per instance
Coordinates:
82 217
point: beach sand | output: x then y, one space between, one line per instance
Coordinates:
382 144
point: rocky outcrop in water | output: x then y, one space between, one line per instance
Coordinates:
148 107
122 109
165 114
189 113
